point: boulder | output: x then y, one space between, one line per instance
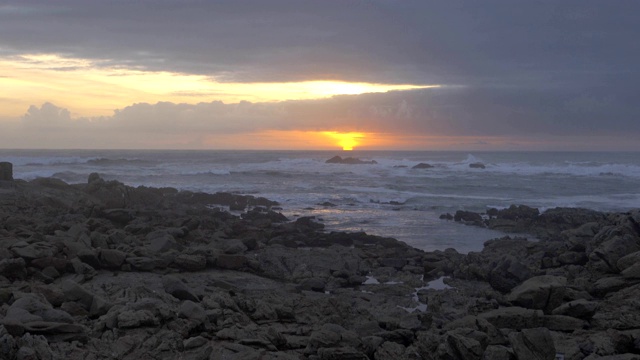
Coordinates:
514 318
423 166
6 171
349 160
533 344
192 311
581 308
13 269
468 217
477 165
544 292
111 258
508 273
178 289
190 262
160 241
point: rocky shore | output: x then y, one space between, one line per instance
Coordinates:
103 270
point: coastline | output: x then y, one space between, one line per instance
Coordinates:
103 270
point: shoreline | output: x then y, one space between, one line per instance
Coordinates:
101 270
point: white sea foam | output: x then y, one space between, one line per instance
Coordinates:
388 198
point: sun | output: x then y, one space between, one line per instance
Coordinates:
347 141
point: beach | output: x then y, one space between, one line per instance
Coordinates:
101 269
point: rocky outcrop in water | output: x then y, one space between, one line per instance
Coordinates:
349 160
104 270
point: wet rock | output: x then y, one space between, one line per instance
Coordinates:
423 166
349 160
468 217
477 165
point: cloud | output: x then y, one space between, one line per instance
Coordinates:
475 113
413 41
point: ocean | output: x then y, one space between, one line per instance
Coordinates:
389 198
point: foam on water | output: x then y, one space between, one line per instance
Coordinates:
388 198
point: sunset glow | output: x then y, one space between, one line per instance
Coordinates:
347 141
93 88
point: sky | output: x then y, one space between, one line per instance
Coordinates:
304 74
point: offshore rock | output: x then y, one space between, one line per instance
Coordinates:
349 160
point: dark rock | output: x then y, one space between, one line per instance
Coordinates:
544 292
190 262
6 171
508 273
446 216
514 318
13 269
313 284
477 165
178 289
423 166
161 241
468 217
349 160
581 308
231 262
518 212
111 258
533 344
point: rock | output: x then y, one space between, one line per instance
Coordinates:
423 166
544 292
119 216
628 260
477 165
518 212
508 273
194 342
313 284
632 272
533 344
161 241
581 308
514 318
6 171
33 251
459 346
74 292
111 258
231 262
341 353
234 246
136 318
348 160
190 310
190 262
13 269
605 257
468 217
498 352
178 289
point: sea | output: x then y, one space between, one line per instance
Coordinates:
389 198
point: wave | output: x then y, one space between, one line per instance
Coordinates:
117 162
